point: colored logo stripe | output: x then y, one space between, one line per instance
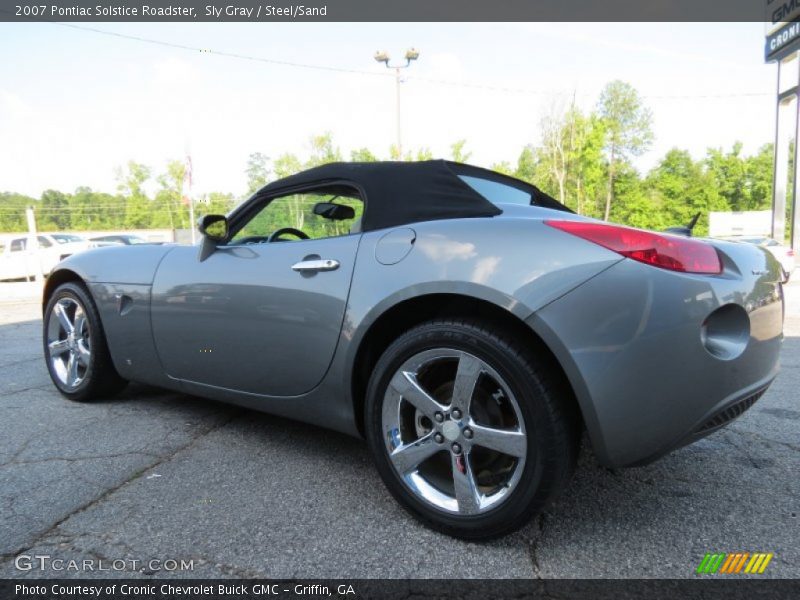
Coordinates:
710 563
758 563
734 562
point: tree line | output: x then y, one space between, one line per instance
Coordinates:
584 159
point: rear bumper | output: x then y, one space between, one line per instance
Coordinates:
631 341
728 410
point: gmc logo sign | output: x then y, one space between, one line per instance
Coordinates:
782 11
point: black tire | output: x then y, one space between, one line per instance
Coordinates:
544 402
99 377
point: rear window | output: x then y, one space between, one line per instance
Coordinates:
497 193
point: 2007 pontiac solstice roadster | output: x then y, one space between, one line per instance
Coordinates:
466 324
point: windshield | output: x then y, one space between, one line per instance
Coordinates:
133 239
63 238
497 193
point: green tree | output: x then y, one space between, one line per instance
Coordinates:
12 211
569 161
682 188
458 152
323 151
588 172
628 129
55 215
423 153
113 209
526 165
362 155
170 204
287 164
760 168
636 204
729 173
130 183
257 172
83 210
555 155
215 203
503 167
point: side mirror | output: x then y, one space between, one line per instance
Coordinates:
334 212
214 229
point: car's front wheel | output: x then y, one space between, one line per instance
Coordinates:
468 431
75 347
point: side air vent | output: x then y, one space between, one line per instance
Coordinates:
729 413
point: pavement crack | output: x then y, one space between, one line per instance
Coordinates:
21 361
27 389
106 493
534 545
743 441
13 461
767 440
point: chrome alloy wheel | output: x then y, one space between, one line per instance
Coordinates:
68 342
454 431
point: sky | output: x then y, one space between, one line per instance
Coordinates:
77 104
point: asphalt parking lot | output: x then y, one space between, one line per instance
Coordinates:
155 475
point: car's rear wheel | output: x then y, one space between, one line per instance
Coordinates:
75 347
468 431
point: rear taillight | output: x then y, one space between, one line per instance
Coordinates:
665 251
790 252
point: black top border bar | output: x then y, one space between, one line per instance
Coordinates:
769 11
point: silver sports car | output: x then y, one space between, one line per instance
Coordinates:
466 324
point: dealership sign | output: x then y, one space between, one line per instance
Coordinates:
783 41
783 28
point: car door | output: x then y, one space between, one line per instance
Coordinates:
6 263
256 317
47 254
20 262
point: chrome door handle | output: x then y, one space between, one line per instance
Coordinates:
320 264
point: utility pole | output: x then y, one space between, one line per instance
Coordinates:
188 178
412 54
32 245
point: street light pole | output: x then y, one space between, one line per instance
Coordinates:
412 54
397 111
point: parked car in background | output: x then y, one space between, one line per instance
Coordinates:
18 260
784 254
64 244
124 239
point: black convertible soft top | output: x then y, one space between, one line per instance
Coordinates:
398 193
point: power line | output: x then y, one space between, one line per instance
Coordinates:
80 209
91 210
282 63
455 83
